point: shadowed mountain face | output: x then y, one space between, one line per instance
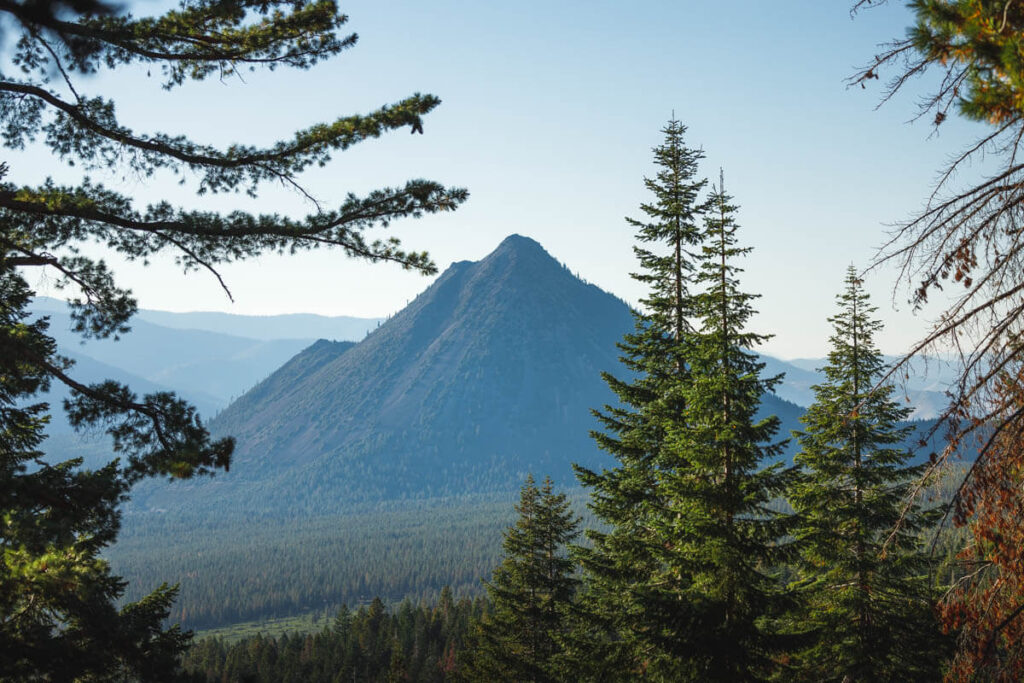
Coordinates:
489 374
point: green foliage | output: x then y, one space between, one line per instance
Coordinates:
867 595
273 626
981 44
406 643
617 637
714 592
522 638
963 243
673 221
680 586
58 618
234 568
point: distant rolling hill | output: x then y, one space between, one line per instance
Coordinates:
208 368
922 388
303 326
489 374
267 327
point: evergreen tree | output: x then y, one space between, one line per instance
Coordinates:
868 604
712 599
522 638
56 519
58 614
672 221
623 558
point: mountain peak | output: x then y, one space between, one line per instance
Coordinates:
488 374
524 261
519 244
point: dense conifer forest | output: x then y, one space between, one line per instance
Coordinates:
445 637
412 642
305 564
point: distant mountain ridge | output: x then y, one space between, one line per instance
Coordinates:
496 364
268 327
354 457
300 326
922 389
208 367
490 373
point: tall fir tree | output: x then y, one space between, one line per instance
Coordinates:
673 221
623 558
532 591
868 605
713 597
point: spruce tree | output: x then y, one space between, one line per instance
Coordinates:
713 597
867 602
622 560
522 637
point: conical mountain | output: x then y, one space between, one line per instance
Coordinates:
489 374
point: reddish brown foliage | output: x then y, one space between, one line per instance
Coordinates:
986 606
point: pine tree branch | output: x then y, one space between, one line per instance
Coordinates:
155 418
327 229
341 134
296 38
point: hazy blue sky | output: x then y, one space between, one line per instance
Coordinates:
549 113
